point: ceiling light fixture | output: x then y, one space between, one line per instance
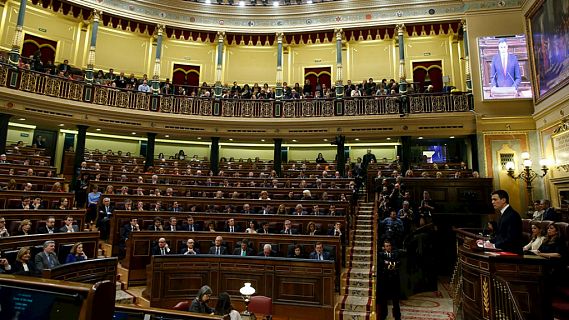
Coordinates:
241 3
275 3
98 129
61 125
22 119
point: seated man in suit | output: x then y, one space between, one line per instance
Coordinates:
69 226
37 203
173 224
231 227
161 249
244 250
128 228
288 228
191 225
47 259
218 249
26 203
268 209
176 207
549 213
319 253
104 217
190 248
49 226
267 251
157 226
4 265
264 229
247 209
299 210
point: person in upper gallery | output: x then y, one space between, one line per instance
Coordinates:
161 249
49 226
267 251
76 253
231 226
244 250
218 248
199 304
549 213
536 237
368 158
25 228
23 266
509 230
320 158
505 68
47 259
319 253
69 226
388 278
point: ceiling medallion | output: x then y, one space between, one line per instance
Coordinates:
338 19
251 23
162 14
308 21
192 19
399 14
221 22
131 7
368 16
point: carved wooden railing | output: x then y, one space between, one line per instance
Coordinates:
456 287
67 89
505 304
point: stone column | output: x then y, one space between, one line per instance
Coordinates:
218 89
466 57
156 76
279 89
214 155
340 155
89 76
18 36
4 119
402 77
339 68
278 156
150 145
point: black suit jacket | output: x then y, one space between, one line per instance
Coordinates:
197 227
509 232
551 214
222 250
125 232
262 254
262 231
292 231
43 229
103 214
236 228
157 252
18 269
249 252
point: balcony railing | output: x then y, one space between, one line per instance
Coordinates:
48 85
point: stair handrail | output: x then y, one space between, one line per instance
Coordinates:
504 300
375 248
456 287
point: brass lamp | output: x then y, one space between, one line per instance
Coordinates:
528 174
246 292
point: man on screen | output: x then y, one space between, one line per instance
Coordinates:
505 69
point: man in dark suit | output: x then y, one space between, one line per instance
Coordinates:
244 250
104 217
128 228
25 204
505 68
267 251
157 226
173 224
218 249
231 227
191 225
247 209
176 207
388 280
161 249
264 228
368 158
319 253
337 231
190 248
508 236
549 213
69 226
49 226
288 228
47 259
64 67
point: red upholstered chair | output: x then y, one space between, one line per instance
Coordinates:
261 305
182 306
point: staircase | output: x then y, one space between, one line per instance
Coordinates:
356 302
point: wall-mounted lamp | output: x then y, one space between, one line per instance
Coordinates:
528 174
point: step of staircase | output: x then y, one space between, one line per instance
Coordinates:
123 297
354 315
118 285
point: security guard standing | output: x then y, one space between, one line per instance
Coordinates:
388 284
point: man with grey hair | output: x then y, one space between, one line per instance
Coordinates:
47 259
406 216
104 217
267 251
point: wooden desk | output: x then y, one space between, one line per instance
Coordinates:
140 312
10 199
38 217
139 246
87 271
303 288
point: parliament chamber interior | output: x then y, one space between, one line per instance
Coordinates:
284 159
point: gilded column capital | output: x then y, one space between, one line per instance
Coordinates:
220 36
400 28
160 29
280 36
339 32
463 24
97 13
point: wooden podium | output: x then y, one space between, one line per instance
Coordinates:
499 285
